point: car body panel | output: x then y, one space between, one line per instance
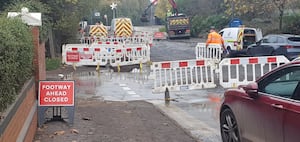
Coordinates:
291 122
272 114
282 44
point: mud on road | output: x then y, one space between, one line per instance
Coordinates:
102 121
97 120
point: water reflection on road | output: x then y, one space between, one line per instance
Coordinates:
199 105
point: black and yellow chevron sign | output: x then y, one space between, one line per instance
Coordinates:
183 21
123 28
98 30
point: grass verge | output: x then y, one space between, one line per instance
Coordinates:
52 64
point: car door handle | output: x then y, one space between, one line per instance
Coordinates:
277 106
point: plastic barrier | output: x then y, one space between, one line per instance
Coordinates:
213 51
183 75
130 55
102 54
135 39
238 71
71 54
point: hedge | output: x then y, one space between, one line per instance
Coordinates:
16 58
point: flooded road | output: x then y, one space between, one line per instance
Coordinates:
196 111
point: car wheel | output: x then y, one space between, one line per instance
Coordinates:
229 127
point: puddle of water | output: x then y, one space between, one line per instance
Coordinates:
86 83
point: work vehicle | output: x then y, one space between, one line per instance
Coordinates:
121 27
276 44
98 30
177 24
267 110
238 38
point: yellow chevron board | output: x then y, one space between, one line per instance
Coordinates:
98 30
123 27
182 21
240 38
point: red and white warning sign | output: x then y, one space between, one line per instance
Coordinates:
73 57
56 93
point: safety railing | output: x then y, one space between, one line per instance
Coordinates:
212 51
239 71
183 75
103 54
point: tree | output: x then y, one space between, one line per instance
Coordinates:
4 3
34 6
162 8
249 8
280 4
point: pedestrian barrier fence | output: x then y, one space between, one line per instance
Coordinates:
213 52
183 75
240 71
103 54
137 39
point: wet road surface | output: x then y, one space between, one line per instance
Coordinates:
196 111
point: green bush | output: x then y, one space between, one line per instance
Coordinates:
201 24
16 58
52 64
291 24
163 29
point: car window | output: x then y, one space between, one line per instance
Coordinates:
282 83
249 31
280 40
221 33
294 40
265 40
272 39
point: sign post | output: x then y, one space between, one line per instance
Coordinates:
113 8
56 94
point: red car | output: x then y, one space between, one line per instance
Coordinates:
267 110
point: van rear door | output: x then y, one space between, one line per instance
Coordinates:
249 37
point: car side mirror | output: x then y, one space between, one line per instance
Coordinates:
251 89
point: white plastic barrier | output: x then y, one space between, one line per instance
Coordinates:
71 53
240 71
135 39
213 51
102 54
183 75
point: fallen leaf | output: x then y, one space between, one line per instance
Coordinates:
74 131
166 124
59 133
128 111
86 118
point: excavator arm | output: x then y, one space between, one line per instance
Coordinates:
144 15
172 2
174 7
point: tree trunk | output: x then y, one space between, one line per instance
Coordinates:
280 20
51 44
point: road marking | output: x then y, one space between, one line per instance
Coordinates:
135 96
122 85
131 93
126 88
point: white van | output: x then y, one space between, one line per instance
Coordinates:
238 38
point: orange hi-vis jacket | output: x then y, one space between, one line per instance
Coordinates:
214 38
